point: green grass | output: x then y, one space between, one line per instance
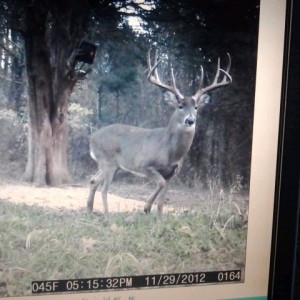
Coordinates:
43 244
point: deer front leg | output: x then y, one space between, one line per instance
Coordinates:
160 185
161 201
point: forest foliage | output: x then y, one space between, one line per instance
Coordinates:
187 34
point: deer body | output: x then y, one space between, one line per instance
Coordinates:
152 153
133 148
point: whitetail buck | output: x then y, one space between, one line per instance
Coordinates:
152 153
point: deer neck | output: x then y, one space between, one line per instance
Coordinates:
179 139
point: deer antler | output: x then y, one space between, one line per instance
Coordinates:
226 79
154 78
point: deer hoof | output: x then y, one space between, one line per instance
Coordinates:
89 209
147 210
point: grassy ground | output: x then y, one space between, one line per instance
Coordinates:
42 243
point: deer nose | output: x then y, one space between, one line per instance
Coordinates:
189 121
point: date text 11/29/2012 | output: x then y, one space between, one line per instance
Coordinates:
131 282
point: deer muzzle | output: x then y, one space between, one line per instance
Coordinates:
189 121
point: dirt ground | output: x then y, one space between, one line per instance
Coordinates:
122 196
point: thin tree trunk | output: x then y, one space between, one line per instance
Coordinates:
16 86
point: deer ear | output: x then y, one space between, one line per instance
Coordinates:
205 99
170 99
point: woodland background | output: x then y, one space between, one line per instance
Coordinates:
43 86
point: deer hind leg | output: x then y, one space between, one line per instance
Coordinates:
160 185
109 174
94 182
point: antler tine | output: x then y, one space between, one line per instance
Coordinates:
174 85
226 73
173 78
229 63
218 72
201 77
156 63
154 68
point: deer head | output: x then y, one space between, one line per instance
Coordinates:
175 98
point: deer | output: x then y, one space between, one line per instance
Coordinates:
156 154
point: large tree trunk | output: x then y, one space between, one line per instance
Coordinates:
47 107
47 139
49 88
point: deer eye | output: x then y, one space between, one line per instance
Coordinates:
196 107
181 105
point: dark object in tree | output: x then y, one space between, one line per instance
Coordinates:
86 53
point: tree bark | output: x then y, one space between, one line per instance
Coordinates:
47 108
49 88
47 153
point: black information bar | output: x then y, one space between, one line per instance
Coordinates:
128 282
